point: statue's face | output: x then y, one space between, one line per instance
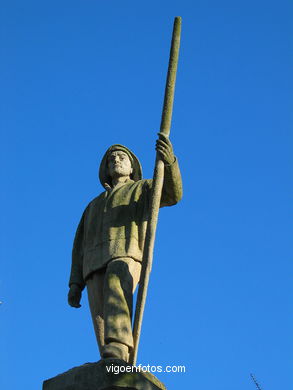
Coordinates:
119 164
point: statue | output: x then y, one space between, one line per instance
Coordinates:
113 253
108 246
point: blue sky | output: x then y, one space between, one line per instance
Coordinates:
78 76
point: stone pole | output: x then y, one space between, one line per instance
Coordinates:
156 189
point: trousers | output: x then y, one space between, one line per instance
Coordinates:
110 294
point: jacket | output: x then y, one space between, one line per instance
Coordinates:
114 224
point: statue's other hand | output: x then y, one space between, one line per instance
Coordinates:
165 149
74 296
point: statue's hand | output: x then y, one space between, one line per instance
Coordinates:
165 149
74 296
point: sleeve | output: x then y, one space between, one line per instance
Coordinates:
76 275
172 187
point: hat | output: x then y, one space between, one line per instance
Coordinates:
136 167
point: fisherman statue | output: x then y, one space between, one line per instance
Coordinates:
109 242
113 254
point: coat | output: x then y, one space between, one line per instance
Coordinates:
114 224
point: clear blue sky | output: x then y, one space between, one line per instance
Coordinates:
78 76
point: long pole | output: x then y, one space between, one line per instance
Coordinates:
156 190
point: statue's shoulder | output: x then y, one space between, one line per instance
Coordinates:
142 185
94 202
140 182
146 183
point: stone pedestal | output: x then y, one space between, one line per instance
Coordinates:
104 375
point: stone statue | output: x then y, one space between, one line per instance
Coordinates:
113 253
108 245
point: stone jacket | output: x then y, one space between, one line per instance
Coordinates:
114 224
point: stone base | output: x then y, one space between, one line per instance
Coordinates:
102 376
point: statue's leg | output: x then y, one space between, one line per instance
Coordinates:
95 286
121 279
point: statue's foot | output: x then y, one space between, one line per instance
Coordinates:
116 350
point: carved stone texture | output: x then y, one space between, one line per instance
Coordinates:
95 376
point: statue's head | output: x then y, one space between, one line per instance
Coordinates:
119 161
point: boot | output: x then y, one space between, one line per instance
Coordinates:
116 350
